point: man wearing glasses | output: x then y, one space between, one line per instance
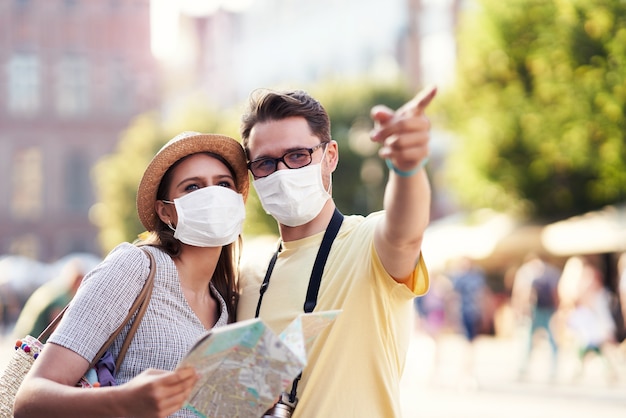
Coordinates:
369 267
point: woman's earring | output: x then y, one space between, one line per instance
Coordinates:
169 223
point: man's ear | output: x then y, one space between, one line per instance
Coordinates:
332 155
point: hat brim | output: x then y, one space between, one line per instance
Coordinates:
226 147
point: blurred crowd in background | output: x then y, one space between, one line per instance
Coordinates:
33 293
573 304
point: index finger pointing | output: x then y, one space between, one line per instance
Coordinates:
421 100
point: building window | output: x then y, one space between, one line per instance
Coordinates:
120 89
77 184
27 245
72 86
78 245
24 84
27 184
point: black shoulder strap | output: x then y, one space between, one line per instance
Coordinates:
320 261
318 267
266 280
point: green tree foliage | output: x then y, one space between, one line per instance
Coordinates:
539 106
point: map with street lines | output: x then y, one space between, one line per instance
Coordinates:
245 366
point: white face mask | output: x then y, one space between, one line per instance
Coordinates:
295 196
209 217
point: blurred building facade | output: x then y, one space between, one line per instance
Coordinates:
74 73
228 50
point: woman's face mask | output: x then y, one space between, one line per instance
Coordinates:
209 217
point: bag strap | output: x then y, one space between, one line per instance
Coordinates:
139 307
52 325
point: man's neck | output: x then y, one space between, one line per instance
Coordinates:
317 225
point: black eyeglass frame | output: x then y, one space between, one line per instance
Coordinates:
282 159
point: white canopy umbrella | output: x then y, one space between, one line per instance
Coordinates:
474 235
602 231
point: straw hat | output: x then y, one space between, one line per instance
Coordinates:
182 145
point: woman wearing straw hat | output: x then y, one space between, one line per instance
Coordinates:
191 201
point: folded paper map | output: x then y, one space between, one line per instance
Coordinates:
243 367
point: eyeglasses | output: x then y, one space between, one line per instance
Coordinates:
299 158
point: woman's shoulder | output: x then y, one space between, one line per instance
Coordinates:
126 262
127 252
124 247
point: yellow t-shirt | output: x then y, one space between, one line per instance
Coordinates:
355 366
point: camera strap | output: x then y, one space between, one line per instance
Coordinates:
318 266
314 282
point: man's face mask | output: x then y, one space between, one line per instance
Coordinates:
293 197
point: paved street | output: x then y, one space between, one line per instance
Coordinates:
496 391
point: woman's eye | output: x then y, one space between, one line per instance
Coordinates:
226 184
192 187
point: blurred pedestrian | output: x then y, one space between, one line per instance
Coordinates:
621 291
434 319
470 284
49 299
535 300
433 308
592 322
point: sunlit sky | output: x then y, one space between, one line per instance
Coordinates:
165 21
368 33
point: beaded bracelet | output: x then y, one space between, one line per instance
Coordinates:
408 173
